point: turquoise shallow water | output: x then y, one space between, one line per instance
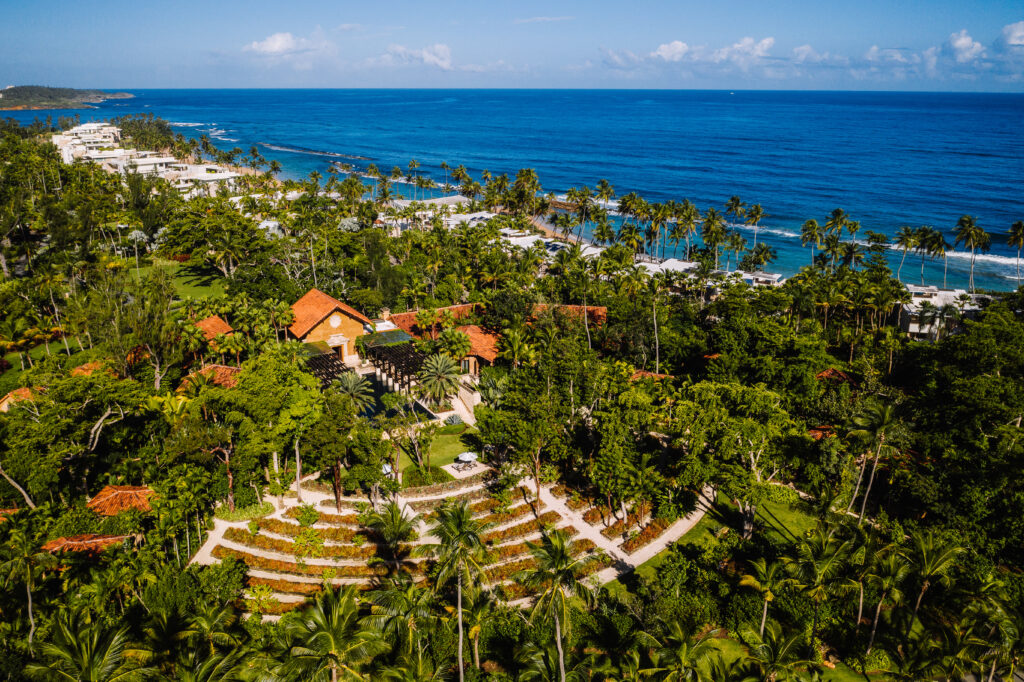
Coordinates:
888 159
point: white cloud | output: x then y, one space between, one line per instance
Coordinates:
439 55
744 53
1013 35
965 48
671 52
349 27
542 20
279 44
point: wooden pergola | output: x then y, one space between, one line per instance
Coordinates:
401 363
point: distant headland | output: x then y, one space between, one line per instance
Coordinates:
21 97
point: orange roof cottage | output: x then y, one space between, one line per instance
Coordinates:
321 318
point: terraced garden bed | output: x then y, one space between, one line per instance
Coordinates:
244 537
448 486
290 567
651 532
345 520
292 529
620 526
522 529
596 515
428 505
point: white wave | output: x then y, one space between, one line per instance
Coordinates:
182 124
1006 261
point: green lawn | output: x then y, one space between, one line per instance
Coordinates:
444 449
189 280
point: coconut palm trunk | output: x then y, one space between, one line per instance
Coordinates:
458 591
558 645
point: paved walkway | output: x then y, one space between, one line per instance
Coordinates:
623 563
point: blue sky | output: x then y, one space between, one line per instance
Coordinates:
730 44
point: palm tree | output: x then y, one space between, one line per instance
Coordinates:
873 424
837 220
439 378
974 238
713 231
202 665
810 233
393 528
328 640
815 569
556 580
460 554
907 240
775 654
357 388
682 657
887 579
403 612
938 246
735 207
913 660
931 558
87 651
25 562
767 580
477 611
754 217
1016 239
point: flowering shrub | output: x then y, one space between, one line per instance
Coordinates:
595 515
424 505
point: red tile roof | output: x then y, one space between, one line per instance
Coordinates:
834 374
314 307
15 396
220 375
114 499
596 314
89 542
407 321
89 368
212 326
644 374
819 432
482 343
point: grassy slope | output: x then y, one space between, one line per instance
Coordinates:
444 449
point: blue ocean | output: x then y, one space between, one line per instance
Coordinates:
888 159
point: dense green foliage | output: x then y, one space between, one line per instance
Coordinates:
864 489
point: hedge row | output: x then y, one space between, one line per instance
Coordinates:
457 484
273 608
427 505
506 571
285 586
292 529
430 505
503 552
498 518
649 534
278 566
244 537
346 520
522 529
345 504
